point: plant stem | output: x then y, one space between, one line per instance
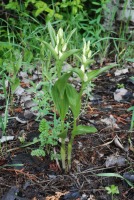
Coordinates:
63 149
59 67
70 145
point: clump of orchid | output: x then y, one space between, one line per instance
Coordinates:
58 47
64 95
61 45
86 58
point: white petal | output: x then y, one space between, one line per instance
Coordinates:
82 68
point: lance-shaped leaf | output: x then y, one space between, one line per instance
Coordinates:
50 47
94 73
115 175
61 104
73 99
79 72
52 34
15 83
62 82
131 108
83 130
89 62
68 53
70 35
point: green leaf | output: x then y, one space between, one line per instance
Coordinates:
49 46
5 45
63 135
115 175
68 53
58 16
95 3
70 35
52 34
39 11
83 129
112 189
28 56
61 104
131 108
110 175
73 99
62 82
13 6
79 72
94 73
43 126
89 62
15 84
130 59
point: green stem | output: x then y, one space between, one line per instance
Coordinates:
59 68
70 145
82 89
63 153
63 149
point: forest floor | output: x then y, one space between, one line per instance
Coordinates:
110 150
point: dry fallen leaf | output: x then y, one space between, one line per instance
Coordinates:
56 197
117 142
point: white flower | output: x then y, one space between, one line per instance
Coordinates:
85 78
60 54
64 47
60 33
82 68
84 48
89 54
62 41
58 39
84 59
88 45
56 49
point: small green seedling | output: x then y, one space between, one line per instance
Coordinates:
112 189
120 85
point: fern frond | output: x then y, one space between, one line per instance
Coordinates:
44 126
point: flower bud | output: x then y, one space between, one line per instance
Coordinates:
84 49
89 54
88 44
60 54
56 49
85 78
62 41
58 39
64 47
82 68
84 59
60 33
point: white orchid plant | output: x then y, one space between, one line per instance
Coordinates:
64 95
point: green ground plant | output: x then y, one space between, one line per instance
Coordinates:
5 97
64 95
48 139
4 119
112 189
